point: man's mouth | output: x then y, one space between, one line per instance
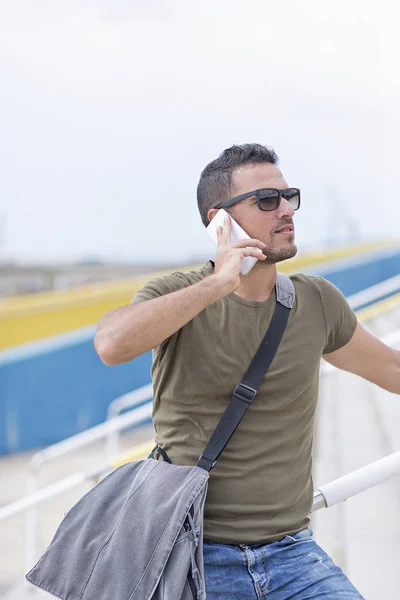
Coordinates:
286 229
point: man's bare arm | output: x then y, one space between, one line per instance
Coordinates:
367 356
129 331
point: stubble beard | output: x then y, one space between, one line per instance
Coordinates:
275 255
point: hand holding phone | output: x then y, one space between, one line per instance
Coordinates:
237 234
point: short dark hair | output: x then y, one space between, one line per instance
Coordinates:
216 179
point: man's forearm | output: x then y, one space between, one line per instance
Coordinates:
129 331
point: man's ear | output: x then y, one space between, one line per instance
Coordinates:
211 214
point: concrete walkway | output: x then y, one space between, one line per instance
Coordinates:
356 424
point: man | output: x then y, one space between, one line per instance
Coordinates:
204 328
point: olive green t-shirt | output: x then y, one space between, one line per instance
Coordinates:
261 488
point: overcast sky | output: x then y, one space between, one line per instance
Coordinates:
109 110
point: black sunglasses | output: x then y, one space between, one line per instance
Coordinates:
268 198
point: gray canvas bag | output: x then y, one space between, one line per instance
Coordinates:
138 534
135 536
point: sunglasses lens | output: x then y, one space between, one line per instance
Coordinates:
293 197
269 199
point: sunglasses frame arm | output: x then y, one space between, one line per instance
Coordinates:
235 199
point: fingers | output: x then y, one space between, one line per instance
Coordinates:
255 252
249 242
224 233
224 237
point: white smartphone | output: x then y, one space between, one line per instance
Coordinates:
237 233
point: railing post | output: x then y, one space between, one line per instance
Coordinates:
129 400
31 517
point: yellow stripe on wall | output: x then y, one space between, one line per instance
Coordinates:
37 316
32 317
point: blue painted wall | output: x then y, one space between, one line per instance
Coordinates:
49 397
356 277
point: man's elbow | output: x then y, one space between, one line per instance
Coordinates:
106 351
112 352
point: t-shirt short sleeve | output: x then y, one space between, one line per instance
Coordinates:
340 319
159 286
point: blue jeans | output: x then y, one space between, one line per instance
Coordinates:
294 568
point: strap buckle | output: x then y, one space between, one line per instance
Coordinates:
244 392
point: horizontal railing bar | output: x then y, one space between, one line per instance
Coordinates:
327 495
72 481
358 481
136 416
374 292
130 399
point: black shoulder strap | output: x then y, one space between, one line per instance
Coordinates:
245 392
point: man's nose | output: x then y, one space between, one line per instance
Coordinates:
285 209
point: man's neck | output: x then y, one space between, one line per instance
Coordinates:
258 284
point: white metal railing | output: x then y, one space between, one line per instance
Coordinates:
379 290
69 483
112 427
134 417
122 403
327 495
135 397
115 423
358 481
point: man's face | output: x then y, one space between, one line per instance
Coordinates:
264 225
